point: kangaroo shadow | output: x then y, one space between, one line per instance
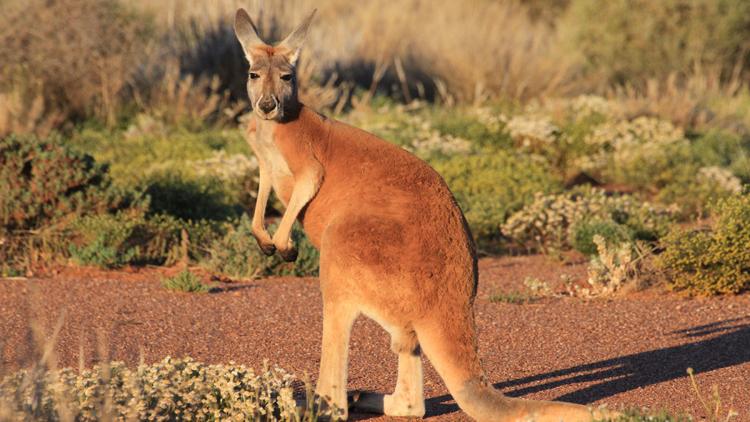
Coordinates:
729 346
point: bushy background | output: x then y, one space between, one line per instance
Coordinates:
554 122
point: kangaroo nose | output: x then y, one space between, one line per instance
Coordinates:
267 106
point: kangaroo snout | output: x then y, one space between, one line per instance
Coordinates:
267 106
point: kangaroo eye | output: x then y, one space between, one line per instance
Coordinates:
286 77
254 75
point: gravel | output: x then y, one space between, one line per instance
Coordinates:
630 351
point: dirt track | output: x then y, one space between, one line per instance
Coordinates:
631 351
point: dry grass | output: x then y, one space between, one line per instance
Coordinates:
79 54
20 113
693 102
179 60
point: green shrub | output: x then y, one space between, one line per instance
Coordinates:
237 254
166 390
149 145
186 282
205 174
492 185
463 124
583 232
549 222
716 260
43 182
632 40
694 192
191 198
644 153
115 240
724 149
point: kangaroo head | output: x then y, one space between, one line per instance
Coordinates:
272 81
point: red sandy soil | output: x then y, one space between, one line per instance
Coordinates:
630 351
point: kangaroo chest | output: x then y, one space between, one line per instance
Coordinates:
271 157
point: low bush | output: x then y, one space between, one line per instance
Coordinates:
237 254
613 267
192 198
46 186
644 153
695 189
428 132
171 389
584 232
490 186
715 260
726 150
561 221
44 182
190 174
186 281
115 240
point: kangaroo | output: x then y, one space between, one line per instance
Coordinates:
394 245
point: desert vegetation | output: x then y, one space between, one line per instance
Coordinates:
616 131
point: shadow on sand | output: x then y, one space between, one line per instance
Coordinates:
729 345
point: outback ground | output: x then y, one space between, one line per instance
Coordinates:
630 351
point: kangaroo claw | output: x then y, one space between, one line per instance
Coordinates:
268 249
288 255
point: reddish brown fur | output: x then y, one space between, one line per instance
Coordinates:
393 245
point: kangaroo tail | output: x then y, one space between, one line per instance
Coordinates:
449 341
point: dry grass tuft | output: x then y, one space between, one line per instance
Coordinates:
695 101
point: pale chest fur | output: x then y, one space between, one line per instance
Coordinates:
266 150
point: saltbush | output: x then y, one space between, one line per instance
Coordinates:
491 185
44 182
695 189
192 175
644 153
172 389
191 198
237 254
584 231
115 240
724 149
550 221
716 260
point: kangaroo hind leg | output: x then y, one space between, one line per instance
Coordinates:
338 319
408 397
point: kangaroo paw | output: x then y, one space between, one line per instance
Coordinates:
288 255
268 249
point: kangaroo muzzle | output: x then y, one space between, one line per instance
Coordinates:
267 106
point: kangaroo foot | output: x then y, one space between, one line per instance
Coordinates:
400 405
366 402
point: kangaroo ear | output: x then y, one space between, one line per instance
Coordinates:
246 31
296 39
